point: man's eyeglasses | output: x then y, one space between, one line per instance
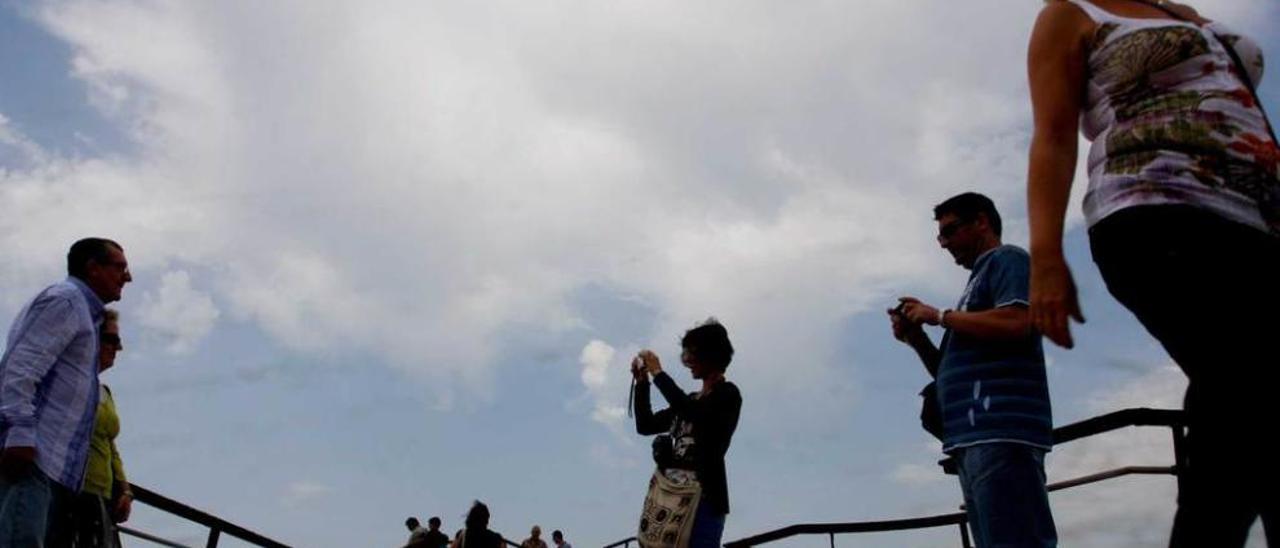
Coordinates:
118 265
948 230
112 340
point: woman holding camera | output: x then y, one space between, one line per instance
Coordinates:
688 494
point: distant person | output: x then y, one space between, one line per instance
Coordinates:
417 535
106 498
697 429
477 533
435 538
558 538
1183 216
49 391
991 384
535 539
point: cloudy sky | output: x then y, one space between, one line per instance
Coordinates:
391 257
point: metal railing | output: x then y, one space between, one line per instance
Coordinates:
832 529
624 543
1174 420
217 526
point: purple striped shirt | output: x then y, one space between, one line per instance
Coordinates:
49 379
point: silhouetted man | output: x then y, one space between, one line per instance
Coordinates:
991 383
49 391
535 539
417 535
558 538
435 538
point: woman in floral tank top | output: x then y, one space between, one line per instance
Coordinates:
1183 209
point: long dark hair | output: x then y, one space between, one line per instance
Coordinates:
478 516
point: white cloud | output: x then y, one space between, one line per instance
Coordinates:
413 179
179 314
301 492
605 378
23 147
595 359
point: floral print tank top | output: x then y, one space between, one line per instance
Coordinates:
1172 122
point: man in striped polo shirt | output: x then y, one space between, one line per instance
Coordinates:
990 377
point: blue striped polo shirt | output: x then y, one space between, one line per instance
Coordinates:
994 391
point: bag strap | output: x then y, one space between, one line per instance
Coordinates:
1241 70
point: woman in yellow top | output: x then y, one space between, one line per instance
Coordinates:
106 498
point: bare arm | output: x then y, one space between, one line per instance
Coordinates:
1056 62
1004 323
929 354
647 422
909 332
1007 322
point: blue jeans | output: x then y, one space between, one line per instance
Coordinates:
1005 496
24 509
708 526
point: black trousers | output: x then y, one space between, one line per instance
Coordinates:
1209 290
83 522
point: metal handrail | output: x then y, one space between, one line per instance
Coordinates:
832 529
217 526
1139 416
931 521
623 543
1112 474
1174 420
149 537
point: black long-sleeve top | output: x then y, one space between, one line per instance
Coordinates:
714 418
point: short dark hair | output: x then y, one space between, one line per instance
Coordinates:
478 516
709 344
411 522
435 520
967 206
97 250
557 534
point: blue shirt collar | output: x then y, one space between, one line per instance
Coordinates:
984 256
95 303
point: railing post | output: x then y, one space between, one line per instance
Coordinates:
964 534
832 536
213 538
1180 454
